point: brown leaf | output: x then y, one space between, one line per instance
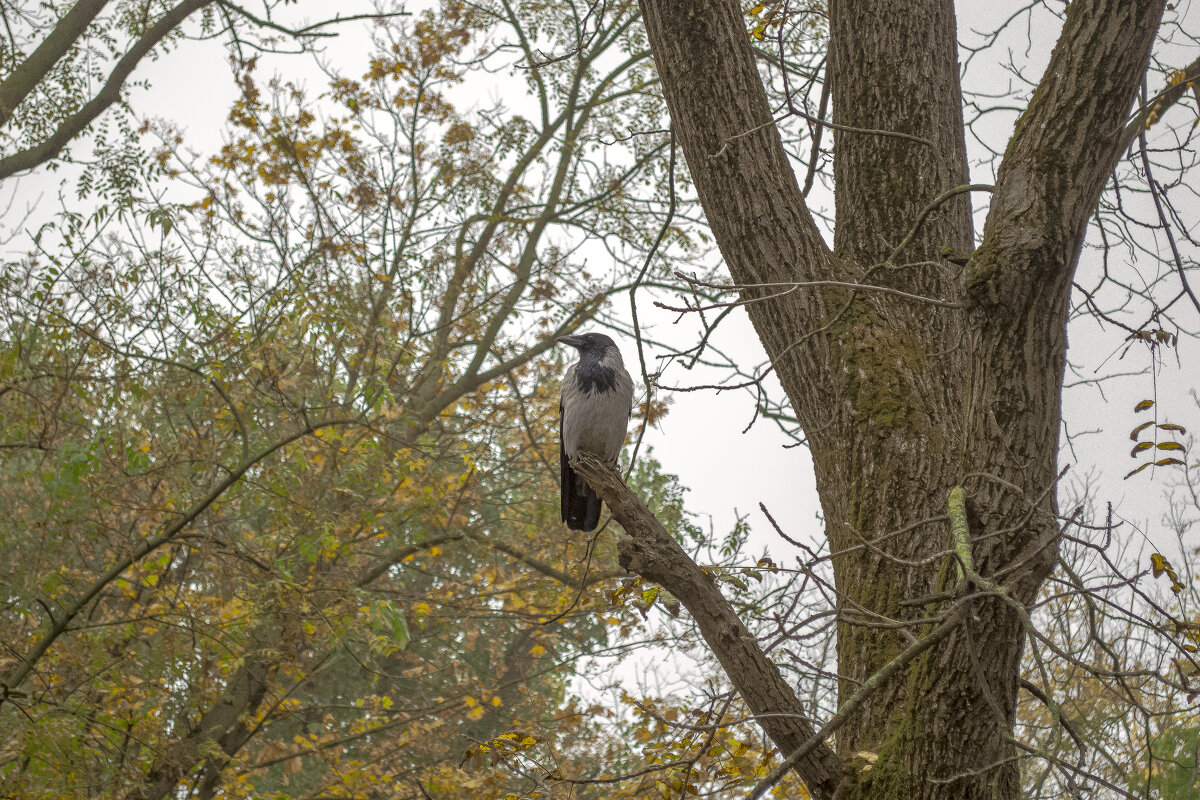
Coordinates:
1136 471
1133 434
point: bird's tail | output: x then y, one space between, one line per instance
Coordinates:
580 504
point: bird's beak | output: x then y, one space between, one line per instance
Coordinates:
574 341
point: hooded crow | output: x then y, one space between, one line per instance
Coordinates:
597 399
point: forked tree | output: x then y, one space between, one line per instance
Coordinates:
924 363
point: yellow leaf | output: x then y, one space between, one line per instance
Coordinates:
1142 406
1167 462
537 650
1140 447
496 701
475 713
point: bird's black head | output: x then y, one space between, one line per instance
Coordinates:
588 344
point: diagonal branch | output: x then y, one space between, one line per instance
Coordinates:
30 72
652 553
745 182
110 93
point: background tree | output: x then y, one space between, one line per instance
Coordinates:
278 460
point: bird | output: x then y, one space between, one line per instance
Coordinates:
593 414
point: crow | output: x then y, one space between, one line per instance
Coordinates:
593 413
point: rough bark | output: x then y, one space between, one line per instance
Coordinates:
903 400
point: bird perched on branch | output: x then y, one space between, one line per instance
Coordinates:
597 399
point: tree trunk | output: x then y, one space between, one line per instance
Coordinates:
956 381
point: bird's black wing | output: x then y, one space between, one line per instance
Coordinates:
565 475
579 505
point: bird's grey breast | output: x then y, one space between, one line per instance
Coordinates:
597 399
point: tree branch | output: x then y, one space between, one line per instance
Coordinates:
653 554
1062 151
30 72
108 94
749 193
310 31
1151 111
